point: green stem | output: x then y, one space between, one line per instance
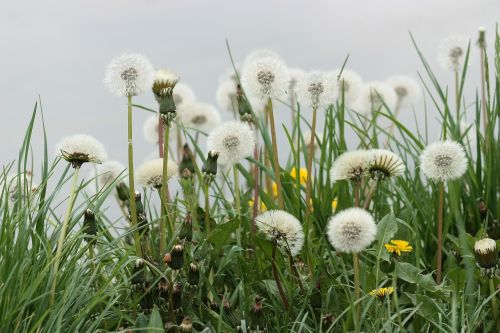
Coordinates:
457 95
369 196
164 188
237 203
357 290
277 278
310 157
133 207
439 257
207 211
91 257
62 234
276 163
494 303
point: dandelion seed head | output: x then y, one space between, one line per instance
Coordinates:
199 116
443 160
164 83
452 52
350 165
265 75
384 164
150 173
485 251
374 95
351 230
317 89
226 93
108 172
80 148
349 83
183 94
129 75
234 140
151 127
295 75
282 227
406 89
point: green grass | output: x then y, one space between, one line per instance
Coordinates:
106 292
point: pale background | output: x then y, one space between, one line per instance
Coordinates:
59 49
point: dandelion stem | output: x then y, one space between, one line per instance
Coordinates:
296 273
357 187
165 195
237 203
439 256
369 196
133 207
457 95
91 257
62 234
310 157
494 303
207 210
275 155
160 136
284 300
357 291
256 171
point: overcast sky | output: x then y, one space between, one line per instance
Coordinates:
59 49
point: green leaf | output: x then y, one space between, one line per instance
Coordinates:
412 274
222 232
155 322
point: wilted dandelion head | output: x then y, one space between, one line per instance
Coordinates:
234 140
485 251
283 228
150 173
452 52
183 94
351 165
443 160
384 164
108 172
317 89
373 97
351 230
264 75
349 84
80 148
406 89
199 116
129 75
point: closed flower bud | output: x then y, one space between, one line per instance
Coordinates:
209 168
122 191
257 320
89 226
177 296
186 231
186 325
163 288
177 257
485 251
244 107
163 88
186 167
193 275
167 258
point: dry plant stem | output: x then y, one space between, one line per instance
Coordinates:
160 136
369 196
310 157
133 207
237 203
276 162
439 257
62 235
165 194
357 291
276 276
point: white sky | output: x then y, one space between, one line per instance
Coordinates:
59 49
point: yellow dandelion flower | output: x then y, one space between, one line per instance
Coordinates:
334 204
275 189
263 206
398 246
381 293
302 173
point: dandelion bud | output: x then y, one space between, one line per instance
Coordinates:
177 296
483 208
89 226
209 168
177 257
186 231
167 258
244 107
186 167
257 320
481 42
163 88
122 191
485 251
163 288
193 275
186 325
142 220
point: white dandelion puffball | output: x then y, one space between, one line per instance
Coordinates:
183 94
316 89
129 75
384 164
283 228
406 89
234 140
443 160
295 75
226 94
349 83
150 173
374 95
199 116
80 148
452 52
351 230
108 172
27 185
264 75
308 137
151 126
351 165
